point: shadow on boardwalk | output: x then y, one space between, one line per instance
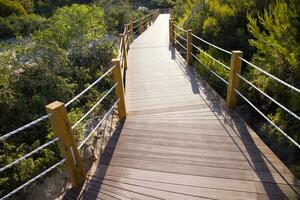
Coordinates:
253 154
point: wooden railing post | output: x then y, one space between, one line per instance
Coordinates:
62 129
189 40
140 26
124 49
127 36
153 17
131 31
171 32
146 23
119 90
234 81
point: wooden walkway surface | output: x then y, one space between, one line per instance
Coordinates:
179 141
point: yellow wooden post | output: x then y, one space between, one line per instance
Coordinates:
147 22
127 36
131 31
140 26
171 29
189 47
124 49
234 81
62 129
119 90
153 17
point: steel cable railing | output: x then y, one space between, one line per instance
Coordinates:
97 126
54 140
180 36
214 73
222 64
210 44
136 26
266 95
179 28
177 42
7 135
136 31
136 21
29 154
266 118
271 76
89 87
34 179
95 105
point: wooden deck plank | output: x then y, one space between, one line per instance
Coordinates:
179 140
197 181
190 190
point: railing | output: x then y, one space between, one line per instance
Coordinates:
60 123
176 37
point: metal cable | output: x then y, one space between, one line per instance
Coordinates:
143 21
180 28
266 95
135 26
180 36
180 44
89 87
7 135
270 75
214 73
33 179
96 104
222 64
228 52
135 21
97 126
266 118
29 154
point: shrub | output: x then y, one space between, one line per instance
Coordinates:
8 8
24 25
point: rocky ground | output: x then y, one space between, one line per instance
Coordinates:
56 185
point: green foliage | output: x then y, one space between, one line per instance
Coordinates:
47 8
70 51
13 26
9 7
87 24
119 12
275 38
154 4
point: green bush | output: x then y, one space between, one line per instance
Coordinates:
161 4
20 25
6 29
8 7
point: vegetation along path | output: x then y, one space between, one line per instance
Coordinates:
179 141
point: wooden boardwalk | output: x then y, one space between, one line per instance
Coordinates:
179 141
